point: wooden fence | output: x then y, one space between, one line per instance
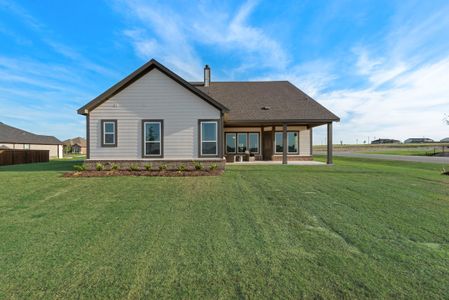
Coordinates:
19 156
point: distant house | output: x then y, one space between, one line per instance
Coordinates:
15 138
418 141
445 140
385 141
75 146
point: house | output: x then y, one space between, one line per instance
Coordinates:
385 141
154 114
15 138
75 146
418 141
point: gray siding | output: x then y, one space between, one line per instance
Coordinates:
153 96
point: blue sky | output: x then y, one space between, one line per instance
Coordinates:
382 66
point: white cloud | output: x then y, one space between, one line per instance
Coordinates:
172 36
412 106
255 47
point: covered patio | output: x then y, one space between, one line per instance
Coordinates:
269 142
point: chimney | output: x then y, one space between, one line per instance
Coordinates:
206 75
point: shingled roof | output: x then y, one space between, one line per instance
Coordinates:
267 101
9 134
75 141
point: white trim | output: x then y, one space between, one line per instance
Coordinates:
145 142
297 142
209 141
113 132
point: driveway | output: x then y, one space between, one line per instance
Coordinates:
424 159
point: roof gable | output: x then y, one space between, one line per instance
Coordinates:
152 64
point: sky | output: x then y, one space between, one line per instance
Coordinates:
381 66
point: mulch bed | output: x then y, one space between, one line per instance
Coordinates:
142 173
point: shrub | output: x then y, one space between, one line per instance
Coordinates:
134 167
79 167
198 165
114 166
213 167
148 167
181 168
162 167
99 167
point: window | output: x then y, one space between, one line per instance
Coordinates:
109 133
278 142
292 142
152 138
230 142
253 142
242 142
208 138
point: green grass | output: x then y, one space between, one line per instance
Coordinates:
359 229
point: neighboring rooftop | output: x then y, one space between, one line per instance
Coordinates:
418 140
12 135
75 141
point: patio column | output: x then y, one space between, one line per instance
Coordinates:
284 144
329 143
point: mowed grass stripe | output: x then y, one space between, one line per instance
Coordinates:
359 229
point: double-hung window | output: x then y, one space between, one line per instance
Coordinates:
292 142
208 138
109 133
152 138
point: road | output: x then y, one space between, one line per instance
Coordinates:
424 159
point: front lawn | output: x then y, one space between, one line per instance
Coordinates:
359 229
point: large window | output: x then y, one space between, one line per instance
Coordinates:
242 142
152 138
109 133
292 142
230 142
209 138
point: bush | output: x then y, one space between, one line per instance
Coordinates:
134 167
114 166
181 168
198 165
99 167
162 167
79 168
213 167
148 167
